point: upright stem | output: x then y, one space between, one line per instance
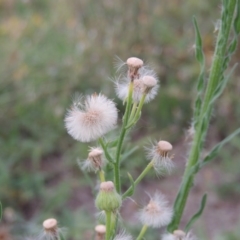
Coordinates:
101 176
108 225
121 138
215 75
134 108
142 233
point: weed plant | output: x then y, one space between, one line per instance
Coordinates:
91 117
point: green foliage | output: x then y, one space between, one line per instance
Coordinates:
50 50
197 214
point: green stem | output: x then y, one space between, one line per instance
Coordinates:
113 222
117 179
215 75
134 108
142 233
136 116
108 156
140 177
108 225
101 176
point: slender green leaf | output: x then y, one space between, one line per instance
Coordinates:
200 82
237 19
219 90
199 51
197 214
130 193
112 144
61 237
213 153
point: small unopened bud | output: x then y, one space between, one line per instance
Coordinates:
50 226
164 148
108 199
133 66
179 234
95 160
149 82
100 232
95 157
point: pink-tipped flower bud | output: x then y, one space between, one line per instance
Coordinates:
50 226
179 234
133 66
149 83
164 148
100 232
108 199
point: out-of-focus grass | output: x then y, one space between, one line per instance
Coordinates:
51 49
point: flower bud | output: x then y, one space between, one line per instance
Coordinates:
179 234
95 160
100 232
133 66
50 226
149 83
108 199
163 148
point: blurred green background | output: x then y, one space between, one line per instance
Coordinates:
50 50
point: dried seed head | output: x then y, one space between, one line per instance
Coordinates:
108 199
179 233
90 119
95 160
100 232
149 82
133 66
107 186
156 213
123 236
50 225
159 154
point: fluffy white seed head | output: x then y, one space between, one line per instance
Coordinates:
123 236
179 235
95 160
159 154
88 120
140 87
157 213
51 230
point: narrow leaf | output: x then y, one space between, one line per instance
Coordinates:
213 153
112 144
197 214
219 90
199 52
130 193
237 19
61 237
